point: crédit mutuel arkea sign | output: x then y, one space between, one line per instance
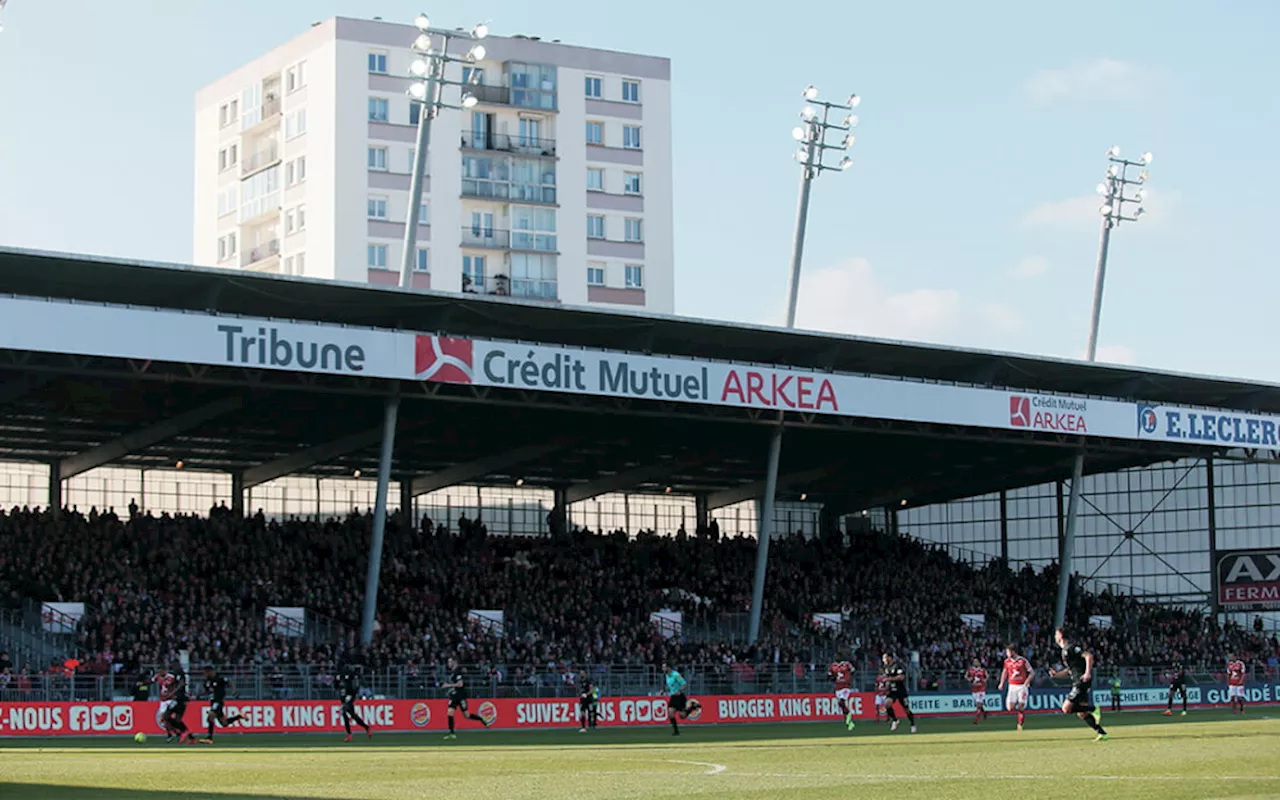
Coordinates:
56 326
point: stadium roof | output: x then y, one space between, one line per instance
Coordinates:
88 411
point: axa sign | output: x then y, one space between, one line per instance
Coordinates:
1054 414
1248 578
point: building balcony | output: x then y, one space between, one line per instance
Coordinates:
505 191
268 112
506 143
256 162
499 95
486 237
503 286
256 257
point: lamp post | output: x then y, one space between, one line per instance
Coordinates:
1116 190
428 68
814 148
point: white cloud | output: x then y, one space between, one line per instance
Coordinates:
1100 76
849 298
1077 213
1030 267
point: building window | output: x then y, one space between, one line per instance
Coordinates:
415 113
473 76
593 87
377 208
295 77
634 230
631 91
378 158
295 171
595 133
226 247
631 136
421 264
595 275
295 124
302 218
228 113
227 201
635 276
472 273
288 265
595 226
289 225
378 109
595 179
631 183
532 85
424 213
377 256
378 63
301 264
533 228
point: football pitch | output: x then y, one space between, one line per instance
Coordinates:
1207 754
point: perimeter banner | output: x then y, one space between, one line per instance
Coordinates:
1247 580
325 716
148 334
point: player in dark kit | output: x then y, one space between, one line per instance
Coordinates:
588 706
896 677
1078 663
1177 685
457 687
349 689
172 717
215 687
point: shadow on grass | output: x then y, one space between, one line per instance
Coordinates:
43 791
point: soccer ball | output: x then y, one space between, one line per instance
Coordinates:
140 738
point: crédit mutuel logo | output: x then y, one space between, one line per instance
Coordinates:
443 359
1056 414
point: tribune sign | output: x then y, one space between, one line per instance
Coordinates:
223 340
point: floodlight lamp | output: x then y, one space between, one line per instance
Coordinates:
418 91
1139 212
422 44
851 121
1105 210
803 496
469 101
848 141
476 53
480 31
798 133
802 155
845 163
1101 188
853 101
808 113
1143 176
180 464
356 474
1114 151
422 21
1146 157
418 68
811 92
1113 170
1141 194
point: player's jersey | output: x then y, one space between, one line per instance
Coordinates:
589 693
1178 675
842 672
977 678
1073 659
166 683
179 694
215 689
675 683
882 685
896 688
458 692
349 684
1017 671
1235 673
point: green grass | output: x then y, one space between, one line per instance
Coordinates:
1208 754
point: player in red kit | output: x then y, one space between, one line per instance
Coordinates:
882 694
1235 684
841 672
977 678
167 684
1017 674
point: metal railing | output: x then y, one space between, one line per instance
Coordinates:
485 237
316 682
504 286
487 189
260 253
490 94
508 143
262 159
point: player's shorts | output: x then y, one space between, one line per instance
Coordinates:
678 702
165 706
1018 695
1235 691
881 700
1178 686
843 694
348 704
458 701
898 697
1081 692
979 697
217 708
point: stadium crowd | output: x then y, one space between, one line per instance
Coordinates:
156 585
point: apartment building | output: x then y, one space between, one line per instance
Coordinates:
555 187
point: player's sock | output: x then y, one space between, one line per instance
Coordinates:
911 718
346 723
1022 716
451 724
235 719
211 724
359 721
675 726
890 713
1093 723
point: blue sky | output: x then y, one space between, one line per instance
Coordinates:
969 216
